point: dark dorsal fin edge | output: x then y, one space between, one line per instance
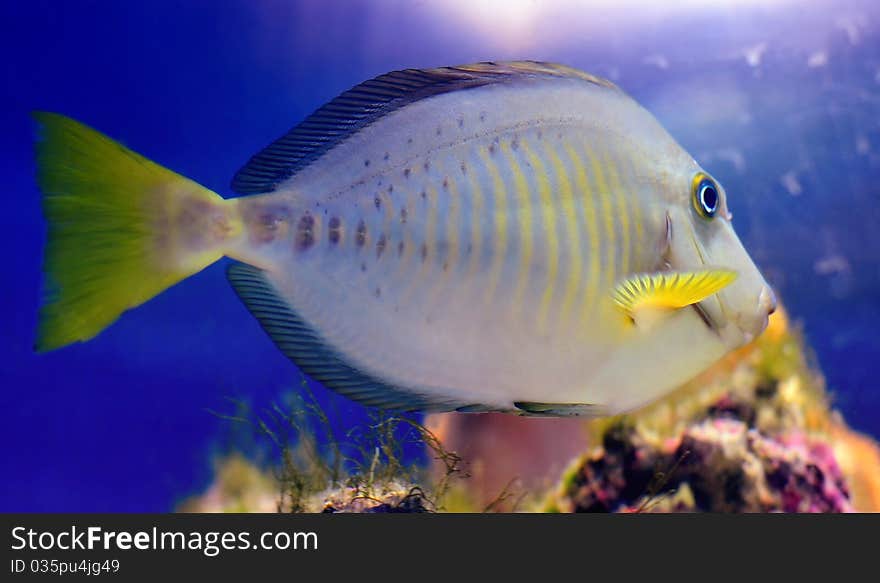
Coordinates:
362 105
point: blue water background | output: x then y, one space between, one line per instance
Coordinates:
778 100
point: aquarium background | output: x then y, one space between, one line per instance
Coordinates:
779 100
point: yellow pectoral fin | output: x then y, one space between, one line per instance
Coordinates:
644 297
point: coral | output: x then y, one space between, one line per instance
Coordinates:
717 465
859 458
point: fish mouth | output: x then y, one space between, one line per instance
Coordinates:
738 314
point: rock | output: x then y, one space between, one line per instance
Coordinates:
717 465
396 500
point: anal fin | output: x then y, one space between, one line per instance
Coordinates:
530 408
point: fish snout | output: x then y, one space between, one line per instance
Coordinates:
753 323
767 300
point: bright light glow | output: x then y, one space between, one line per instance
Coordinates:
520 24
503 19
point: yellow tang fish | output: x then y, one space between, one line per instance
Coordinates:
516 236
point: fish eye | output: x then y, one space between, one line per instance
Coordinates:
705 196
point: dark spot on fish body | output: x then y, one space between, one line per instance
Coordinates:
406 172
219 226
305 232
380 245
439 130
360 237
463 168
334 230
460 122
514 143
378 292
366 163
424 195
390 188
404 214
492 148
400 249
445 182
409 141
482 116
386 156
265 223
378 203
426 166
424 252
363 266
199 224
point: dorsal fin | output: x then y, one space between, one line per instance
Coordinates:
364 104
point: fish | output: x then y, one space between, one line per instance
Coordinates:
518 236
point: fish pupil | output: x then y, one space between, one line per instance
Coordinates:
709 198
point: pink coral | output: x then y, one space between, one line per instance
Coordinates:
719 464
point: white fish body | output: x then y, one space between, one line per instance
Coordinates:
462 249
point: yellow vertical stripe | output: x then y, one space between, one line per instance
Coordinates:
572 235
608 239
549 229
499 248
453 218
476 210
451 194
524 219
619 196
591 222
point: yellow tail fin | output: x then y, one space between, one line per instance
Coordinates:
121 230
